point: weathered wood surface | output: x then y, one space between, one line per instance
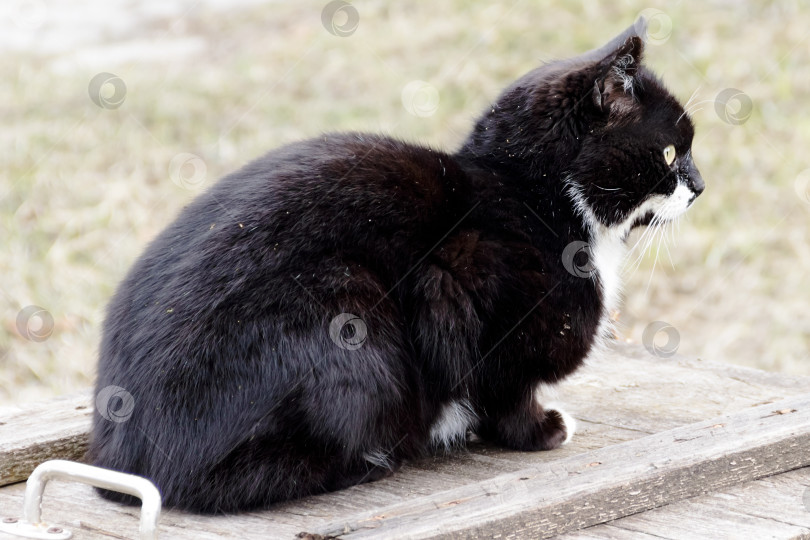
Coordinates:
604 484
625 396
38 432
773 507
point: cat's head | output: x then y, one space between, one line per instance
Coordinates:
604 128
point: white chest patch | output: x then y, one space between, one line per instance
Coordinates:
608 252
608 248
450 427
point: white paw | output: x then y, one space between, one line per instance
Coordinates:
568 420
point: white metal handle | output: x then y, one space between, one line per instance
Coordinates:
59 469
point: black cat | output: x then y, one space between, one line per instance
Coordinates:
344 304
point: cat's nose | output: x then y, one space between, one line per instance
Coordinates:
695 182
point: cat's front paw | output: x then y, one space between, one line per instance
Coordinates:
540 428
558 422
552 429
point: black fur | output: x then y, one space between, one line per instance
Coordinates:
220 333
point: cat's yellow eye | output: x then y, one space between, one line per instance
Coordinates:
669 154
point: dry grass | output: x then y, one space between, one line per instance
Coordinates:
84 189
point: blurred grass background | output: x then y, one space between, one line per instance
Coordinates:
83 188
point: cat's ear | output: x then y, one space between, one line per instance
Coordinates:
618 66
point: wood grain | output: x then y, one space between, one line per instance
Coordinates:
625 397
604 484
768 508
38 432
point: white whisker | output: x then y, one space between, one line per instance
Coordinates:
665 239
646 241
642 241
686 106
703 102
655 260
695 110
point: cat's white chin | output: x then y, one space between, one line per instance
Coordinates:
609 248
675 204
662 208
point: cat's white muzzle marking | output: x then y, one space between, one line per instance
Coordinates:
675 204
608 247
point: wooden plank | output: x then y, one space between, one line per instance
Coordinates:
607 532
80 509
704 522
632 389
626 395
604 484
771 507
38 432
89 517
628 392
420 479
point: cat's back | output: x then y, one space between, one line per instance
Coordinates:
296 212
343 189
343 177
